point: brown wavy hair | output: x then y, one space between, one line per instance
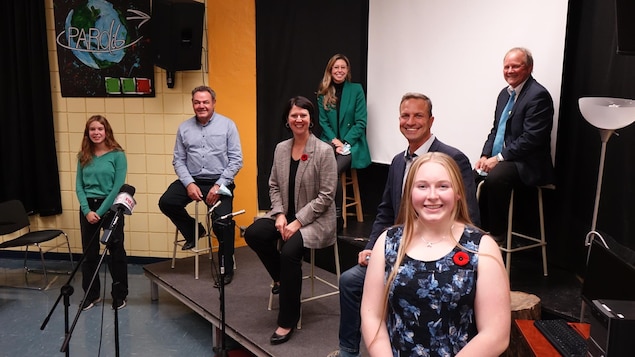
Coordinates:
85 156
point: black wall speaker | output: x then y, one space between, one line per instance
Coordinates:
625 19
177 34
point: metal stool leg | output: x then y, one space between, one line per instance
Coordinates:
313 278
176 244
508 240
196 250
534 241
543 239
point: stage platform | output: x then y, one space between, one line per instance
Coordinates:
248 321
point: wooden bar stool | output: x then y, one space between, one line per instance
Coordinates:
197 251
351 199
313 277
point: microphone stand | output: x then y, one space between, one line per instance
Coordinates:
65 292
69 333
221 222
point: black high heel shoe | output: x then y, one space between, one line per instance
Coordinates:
278 339
275 289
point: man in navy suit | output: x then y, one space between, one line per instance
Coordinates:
415 121
522 153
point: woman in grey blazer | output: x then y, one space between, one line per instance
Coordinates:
302 190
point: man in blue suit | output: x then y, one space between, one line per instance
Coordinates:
415 122
518 148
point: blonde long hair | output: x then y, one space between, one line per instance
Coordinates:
408 216
326 87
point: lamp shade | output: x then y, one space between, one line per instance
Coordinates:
607 113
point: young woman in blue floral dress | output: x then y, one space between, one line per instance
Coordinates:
436 285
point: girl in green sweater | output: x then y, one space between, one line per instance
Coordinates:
101 171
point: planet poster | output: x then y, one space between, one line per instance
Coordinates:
103 48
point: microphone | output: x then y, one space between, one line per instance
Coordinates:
124 200
211 209
230 215
124 203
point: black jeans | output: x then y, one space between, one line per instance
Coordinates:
117 260
284 265
172 203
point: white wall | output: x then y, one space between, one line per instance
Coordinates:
452 51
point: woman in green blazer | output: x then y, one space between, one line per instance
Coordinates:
342 109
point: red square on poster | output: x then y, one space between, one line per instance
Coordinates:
143 85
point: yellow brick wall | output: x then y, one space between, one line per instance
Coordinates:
146 128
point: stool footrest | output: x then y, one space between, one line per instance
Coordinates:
537 243
319 296
521 248
322 281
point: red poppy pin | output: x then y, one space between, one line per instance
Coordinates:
304 157
461 258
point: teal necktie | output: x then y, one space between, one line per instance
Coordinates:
502 124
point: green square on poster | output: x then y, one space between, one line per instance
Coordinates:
113 86
128 85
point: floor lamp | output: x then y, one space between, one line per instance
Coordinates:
608 115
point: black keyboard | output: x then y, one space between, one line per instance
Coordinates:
563 337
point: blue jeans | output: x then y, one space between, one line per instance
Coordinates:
351 288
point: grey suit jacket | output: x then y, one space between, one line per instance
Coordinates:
315 184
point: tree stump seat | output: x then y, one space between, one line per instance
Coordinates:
524 306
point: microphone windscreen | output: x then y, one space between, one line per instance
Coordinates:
127 189
125 199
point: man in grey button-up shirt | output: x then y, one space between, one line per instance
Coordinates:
207 156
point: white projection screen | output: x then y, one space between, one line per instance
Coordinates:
452 51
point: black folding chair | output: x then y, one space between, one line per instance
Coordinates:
13 218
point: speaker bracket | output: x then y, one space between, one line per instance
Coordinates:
170 77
